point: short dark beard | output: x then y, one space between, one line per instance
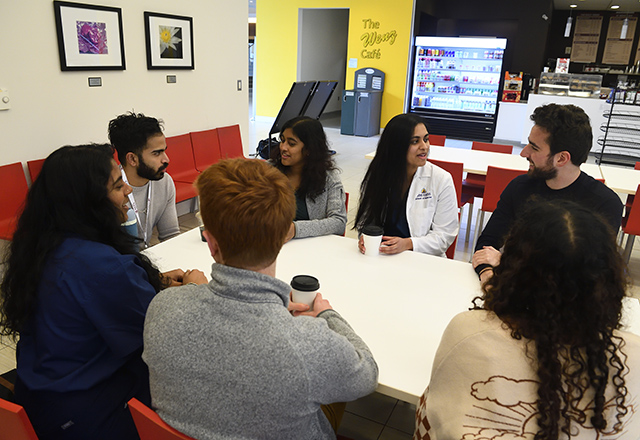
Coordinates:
548 173
146 172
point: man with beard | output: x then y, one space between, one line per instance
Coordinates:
559 143
142 151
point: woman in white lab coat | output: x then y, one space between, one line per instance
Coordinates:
412 200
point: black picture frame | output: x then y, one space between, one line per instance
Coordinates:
169 41
90 37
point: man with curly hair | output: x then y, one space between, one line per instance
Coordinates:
559 143
142 151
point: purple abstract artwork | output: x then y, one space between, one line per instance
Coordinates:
92 37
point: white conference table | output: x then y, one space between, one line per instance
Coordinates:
621 180
398 304
477 161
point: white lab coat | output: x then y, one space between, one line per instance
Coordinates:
432 210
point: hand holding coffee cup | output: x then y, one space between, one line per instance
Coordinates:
304 289
371 239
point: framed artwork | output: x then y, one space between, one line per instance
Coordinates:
89 36
169 41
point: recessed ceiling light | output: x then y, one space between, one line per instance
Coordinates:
575 6
615 6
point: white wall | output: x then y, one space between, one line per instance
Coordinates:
322 48
51 108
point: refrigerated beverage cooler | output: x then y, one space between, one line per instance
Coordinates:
456 85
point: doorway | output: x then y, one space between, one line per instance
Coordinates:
322 53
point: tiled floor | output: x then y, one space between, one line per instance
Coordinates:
376 416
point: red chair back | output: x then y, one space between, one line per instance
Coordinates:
632 225
497 180
115 156
149 424
437 139
34 166
206 148
182 165
451 251
12 197
230 142
474 183
496 148
455 169
14 422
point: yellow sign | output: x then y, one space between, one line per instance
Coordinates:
373 37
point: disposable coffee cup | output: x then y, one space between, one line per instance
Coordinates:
372 236
304 289
131 225
201 225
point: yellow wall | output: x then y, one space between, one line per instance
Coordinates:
277 47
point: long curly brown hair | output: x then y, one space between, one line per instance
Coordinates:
560 284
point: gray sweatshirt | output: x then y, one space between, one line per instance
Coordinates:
163 208
228 361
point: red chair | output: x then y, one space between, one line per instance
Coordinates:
34 166
437 139
455 169
497 181
631 226
149 424
14 422
12 197
473 184
206 148
182 166
230 142
185 191
630 197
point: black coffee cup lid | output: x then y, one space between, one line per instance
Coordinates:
372 230
305 283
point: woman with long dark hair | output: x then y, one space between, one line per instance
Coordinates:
542 356
75 292
412 200
305 159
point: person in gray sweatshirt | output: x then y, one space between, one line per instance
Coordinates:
235 359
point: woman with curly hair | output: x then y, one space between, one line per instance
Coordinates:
75 292
412 200
543 356
305 159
